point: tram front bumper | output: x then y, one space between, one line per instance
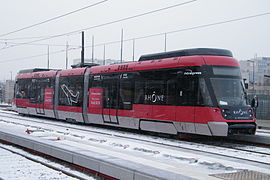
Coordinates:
218 128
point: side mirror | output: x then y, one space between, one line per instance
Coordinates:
246 85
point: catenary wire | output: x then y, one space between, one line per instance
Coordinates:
158 34
52 19
40 44
103 24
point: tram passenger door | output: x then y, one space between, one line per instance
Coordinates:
186 98
38 96
110 99
40 100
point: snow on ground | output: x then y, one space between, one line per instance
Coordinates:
16 167
261 133
13 166
158 156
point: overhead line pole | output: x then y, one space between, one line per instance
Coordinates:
48 58
82 51
121 55
133 50
104 54
67 55
93 46
165 43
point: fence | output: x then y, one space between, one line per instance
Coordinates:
263 110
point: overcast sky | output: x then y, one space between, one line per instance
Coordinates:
244 38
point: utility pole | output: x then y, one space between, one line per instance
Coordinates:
121 50
67 55
104 54
165 42
133 51
48 57
82 51
253 74
255 59
93 44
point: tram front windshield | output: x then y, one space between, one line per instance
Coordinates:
229 91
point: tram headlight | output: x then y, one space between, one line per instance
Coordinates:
225 112
250 112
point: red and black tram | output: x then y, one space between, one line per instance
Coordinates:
197 91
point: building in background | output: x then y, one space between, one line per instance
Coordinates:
2 89
267 75
8 91
256 73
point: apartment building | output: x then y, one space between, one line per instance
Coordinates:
8 91
256 73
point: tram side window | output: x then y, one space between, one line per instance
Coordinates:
187 88
22 88
111 87
37 89
71 91
204 98
51 83
126 92
95 81
33 91
155 92
171 91
156 87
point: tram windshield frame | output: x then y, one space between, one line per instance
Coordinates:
228 87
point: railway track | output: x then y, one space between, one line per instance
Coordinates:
20 164
233 151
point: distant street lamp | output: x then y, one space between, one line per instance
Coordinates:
253 73
11 75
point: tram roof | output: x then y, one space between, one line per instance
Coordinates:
26 74
187 52
34 70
